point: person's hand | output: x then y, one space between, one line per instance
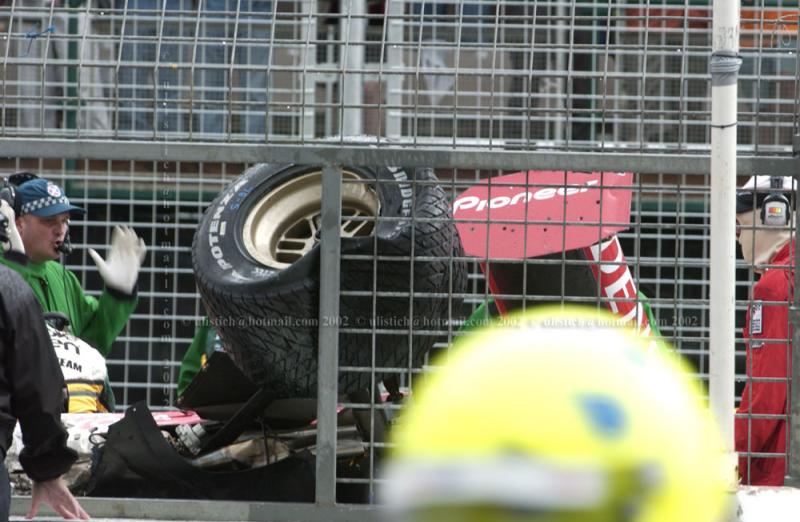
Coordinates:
55 493
121 268
15 241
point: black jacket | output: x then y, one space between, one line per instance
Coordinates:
32 386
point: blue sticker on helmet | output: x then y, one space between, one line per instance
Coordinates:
605 414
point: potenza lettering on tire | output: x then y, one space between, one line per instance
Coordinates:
217 227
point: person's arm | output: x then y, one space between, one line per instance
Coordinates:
120 273
98 322
37 399
767 359
36 384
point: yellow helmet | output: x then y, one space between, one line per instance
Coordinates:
559 414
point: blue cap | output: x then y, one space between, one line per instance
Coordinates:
43 198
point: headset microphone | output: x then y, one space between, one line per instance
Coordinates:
66 246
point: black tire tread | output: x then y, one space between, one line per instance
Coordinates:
284 358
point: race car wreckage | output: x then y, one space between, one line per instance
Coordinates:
246 426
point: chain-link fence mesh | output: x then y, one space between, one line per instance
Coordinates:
133 81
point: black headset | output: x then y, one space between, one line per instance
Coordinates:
8 192
776 211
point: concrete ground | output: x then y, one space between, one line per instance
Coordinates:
155 510
755 504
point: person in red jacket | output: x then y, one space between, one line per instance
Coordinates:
763 207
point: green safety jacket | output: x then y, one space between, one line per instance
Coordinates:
96 321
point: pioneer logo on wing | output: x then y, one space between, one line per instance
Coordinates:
478 204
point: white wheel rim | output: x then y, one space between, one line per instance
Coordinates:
283 225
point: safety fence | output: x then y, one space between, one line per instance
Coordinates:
146 111
576 76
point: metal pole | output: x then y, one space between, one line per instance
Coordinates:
353 36
394 62
793 465
725 64
561 30
328 358
308 34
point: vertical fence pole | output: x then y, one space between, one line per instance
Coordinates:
561 31
353 35
725 64
793 465
394 62
308 35
328 358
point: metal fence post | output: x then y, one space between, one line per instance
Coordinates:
309 79
725 63
793 445
353 29
328 350
394 62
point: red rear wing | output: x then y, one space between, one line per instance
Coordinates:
544 213
534 213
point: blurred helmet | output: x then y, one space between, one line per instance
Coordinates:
560 414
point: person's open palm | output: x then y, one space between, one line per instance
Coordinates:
120 269
56 494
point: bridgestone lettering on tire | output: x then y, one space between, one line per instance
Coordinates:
256 260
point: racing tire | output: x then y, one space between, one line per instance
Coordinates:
256 262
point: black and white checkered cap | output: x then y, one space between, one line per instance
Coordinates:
39 204
44 198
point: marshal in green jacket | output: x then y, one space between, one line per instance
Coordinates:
96 321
